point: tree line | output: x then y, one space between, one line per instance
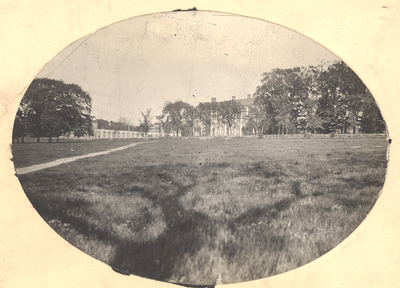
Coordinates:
314 99
51 108
183 119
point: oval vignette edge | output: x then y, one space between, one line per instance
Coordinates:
200 149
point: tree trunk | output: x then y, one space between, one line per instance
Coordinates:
50 140
58 138
22 139
38 139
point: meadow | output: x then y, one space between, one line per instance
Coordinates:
189 210
32 153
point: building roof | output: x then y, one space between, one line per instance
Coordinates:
246 101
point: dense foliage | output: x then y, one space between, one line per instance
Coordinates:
323 99
183 119
315 100
177 117
51 108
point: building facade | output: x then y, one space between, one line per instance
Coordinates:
124 134
220 128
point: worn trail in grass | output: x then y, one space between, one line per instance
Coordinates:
187 210
32 153
57 162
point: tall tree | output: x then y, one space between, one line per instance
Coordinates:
53 108
310 120
206 113
19 130
371 120
263 112
259 120
345 100
281 96
333 103
323 98
179 116
146 122
164 123
230 113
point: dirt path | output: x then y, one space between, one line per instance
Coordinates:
57 162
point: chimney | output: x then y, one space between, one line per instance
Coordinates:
213 100
233 98
248 96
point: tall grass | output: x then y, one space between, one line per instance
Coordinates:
187 211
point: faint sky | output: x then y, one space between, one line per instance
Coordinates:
142 62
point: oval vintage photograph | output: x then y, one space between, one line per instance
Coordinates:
200 148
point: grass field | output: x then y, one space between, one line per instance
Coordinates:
187 210
32 153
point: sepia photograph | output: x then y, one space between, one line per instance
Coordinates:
200 148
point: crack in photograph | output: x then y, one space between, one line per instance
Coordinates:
200 148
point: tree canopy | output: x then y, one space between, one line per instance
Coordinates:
178 117
230 113
206 114
315 99
146 122
183 118
51 108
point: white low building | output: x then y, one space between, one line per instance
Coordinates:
123 134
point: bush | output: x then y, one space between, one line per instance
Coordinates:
307 135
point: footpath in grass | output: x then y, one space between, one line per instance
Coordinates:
189 210
32 153
47 165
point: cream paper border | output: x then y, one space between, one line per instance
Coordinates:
364 33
